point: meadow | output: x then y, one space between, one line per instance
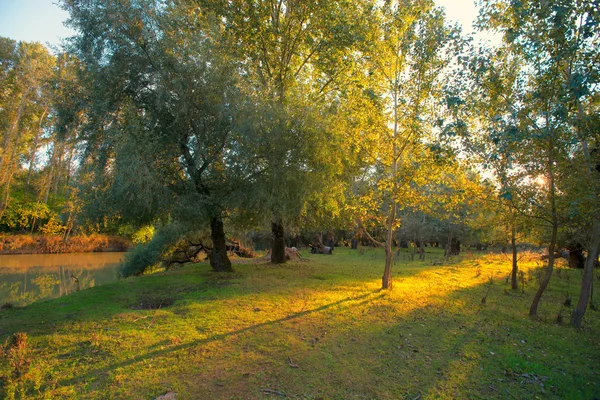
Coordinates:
318 328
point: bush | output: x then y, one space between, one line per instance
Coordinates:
144 256
53 227
143 235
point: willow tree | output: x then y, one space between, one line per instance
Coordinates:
292 56
409 49
161 138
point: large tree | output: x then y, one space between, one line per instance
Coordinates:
293 56
161 136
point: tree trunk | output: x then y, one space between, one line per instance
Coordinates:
588 276
278 246
549 269
218 256
551 247
5 195
386 281
34 147
448 250
514 284
576 258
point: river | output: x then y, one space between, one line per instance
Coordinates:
25 278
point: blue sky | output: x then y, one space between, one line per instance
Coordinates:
42 20
33 20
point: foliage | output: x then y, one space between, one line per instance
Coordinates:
145 255
143 235
49 244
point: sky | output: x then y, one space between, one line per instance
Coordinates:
42 20
33 21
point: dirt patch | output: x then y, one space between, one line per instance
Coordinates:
152 303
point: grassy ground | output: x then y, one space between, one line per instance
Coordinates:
313 329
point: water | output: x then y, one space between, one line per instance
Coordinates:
25 278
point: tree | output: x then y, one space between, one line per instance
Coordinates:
409 44
292 56
25 70
162 138
554 43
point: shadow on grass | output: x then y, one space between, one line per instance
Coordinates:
196 283
366 298
431 337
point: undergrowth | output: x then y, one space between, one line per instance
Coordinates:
48 244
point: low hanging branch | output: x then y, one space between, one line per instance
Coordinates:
367 234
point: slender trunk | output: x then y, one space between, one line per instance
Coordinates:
515 268
587 289
57 169
48 183
549 269
588 276
5 197
552 246
386 281
218 256
35 146
13 128
278 246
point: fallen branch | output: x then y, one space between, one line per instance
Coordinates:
292 363
154 317
271 391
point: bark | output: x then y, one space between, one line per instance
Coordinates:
386 281
5 196
552 246
514 284
218 256
454 247
576 258
448 250
588 276
278 246
35 145
549 269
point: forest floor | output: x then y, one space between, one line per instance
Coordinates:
319 328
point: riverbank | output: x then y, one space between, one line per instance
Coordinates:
42 244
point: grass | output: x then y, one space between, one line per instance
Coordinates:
313 329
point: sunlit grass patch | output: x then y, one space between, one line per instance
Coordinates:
317 328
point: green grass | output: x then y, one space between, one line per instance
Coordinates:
313 329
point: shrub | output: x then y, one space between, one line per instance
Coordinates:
143 235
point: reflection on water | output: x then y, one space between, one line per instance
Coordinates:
25 278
